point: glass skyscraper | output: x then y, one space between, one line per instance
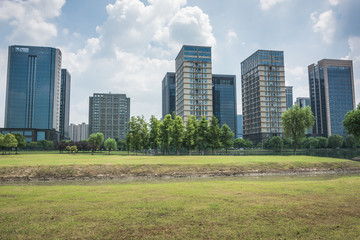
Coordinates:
239 126
331 86
33 88
263 95
168 94
289 96
224 100
65 104
193 82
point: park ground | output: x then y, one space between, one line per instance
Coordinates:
272 207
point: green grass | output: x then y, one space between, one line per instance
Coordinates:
234 208
80 159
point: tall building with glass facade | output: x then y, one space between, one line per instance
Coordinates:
65 104
193 82
263 95
331 86
303 102
168 94
224 100
289 96
33 89
239 126
109 114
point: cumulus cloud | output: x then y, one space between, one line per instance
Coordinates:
231 36
135 47
31 19
334 2
325 23
267 4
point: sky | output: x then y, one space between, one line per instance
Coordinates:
127 46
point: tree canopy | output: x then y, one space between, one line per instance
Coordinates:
351 122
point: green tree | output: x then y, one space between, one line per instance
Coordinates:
177 133
295 121
9 141
165 133
350 141
336 141
2 142
214 134
21 141
310 143
144 134
121 145
322 142
249 143
276 143
99 139
137 133
128 141
239 143
95 141
202 134
351 122
226 136
189 140
154 134
110 144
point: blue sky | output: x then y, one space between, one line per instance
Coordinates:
127 46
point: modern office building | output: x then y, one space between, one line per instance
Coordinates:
289 96
224 100
65 104
263 95
303 102
33 90
239 126
168 94
331 86
193 82
109 114
79 132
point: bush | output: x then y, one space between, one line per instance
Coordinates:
310 143
350 141
276 143
336 141
322 142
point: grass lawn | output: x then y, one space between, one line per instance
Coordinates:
233 208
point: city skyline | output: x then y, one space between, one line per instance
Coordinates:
101 59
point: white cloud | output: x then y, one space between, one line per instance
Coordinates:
297 77
136 46
30 19
354 54
231 36
325 23
267 4
334 2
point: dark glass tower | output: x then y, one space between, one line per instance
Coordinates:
33 88
331 85
65 104
224 100
168 94
289 96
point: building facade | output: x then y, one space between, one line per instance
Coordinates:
289 96
65 104
239 126
263 95
168 94
109 114
193 82
331 86
33 88
224 100
78 132
303 102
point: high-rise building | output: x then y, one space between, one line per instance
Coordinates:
193 82
289 96
263 95
239 126
65 104
303 102
331 86
224 100
33 90
168 94
79 132
109 114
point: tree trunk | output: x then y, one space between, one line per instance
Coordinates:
294 148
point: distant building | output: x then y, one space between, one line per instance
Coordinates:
79 132
303 102
33 91
239 126
168 94
331 85
263 95
193 82
109 114
289 96
224 100
65 104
